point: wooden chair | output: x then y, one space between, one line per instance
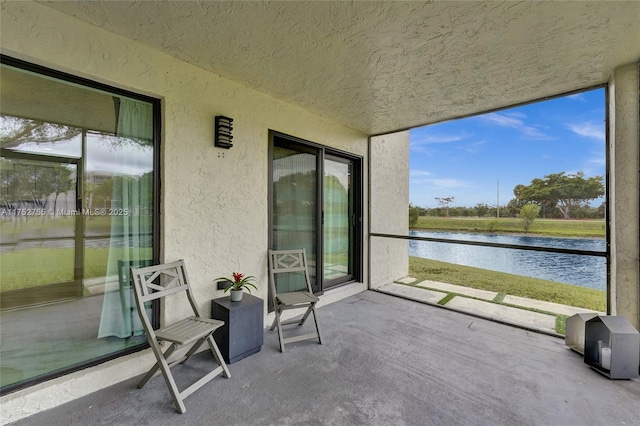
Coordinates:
292 263
156 282
127 298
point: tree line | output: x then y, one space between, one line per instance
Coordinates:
557 195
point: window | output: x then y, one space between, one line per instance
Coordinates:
316 204
79 194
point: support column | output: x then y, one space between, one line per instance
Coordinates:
388 207
624 206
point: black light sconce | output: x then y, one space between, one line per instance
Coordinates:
224 126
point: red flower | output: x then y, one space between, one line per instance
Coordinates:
238 281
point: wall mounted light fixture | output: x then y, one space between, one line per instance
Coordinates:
223 137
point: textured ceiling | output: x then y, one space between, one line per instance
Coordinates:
384 66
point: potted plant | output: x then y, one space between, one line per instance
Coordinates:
237 284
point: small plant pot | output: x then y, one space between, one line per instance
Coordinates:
236 295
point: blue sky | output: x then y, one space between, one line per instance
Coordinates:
466 158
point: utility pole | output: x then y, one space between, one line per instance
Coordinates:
498 203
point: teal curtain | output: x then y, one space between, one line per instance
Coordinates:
336 220
134 120
131 217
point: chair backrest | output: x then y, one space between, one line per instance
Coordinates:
124 270
291 263
127 297
158 281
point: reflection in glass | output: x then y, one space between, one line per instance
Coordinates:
120 183
295 207
35 195
77 196
337 232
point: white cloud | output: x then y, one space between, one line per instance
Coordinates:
423 143
431 139
533 133
577 97
419 173
447 183
102 156
474 147
514 120
442 183
589 130
517 114
419 177
502 120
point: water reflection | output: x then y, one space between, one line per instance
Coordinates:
584 271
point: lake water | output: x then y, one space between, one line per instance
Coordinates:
584 271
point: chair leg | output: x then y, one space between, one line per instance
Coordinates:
163 366
173 388
156 366
315 319
218 356
279 325
193 350
304 318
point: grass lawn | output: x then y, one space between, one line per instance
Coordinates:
38 266
548 227
515 285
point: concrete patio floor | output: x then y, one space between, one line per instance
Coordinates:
385 361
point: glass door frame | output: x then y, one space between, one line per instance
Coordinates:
356 249
73 289
352 219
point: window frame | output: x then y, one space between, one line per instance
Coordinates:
156 228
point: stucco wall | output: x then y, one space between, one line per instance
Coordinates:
214 201
389 207
624 137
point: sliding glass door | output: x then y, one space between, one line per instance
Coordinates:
338 226
294 204
315 205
